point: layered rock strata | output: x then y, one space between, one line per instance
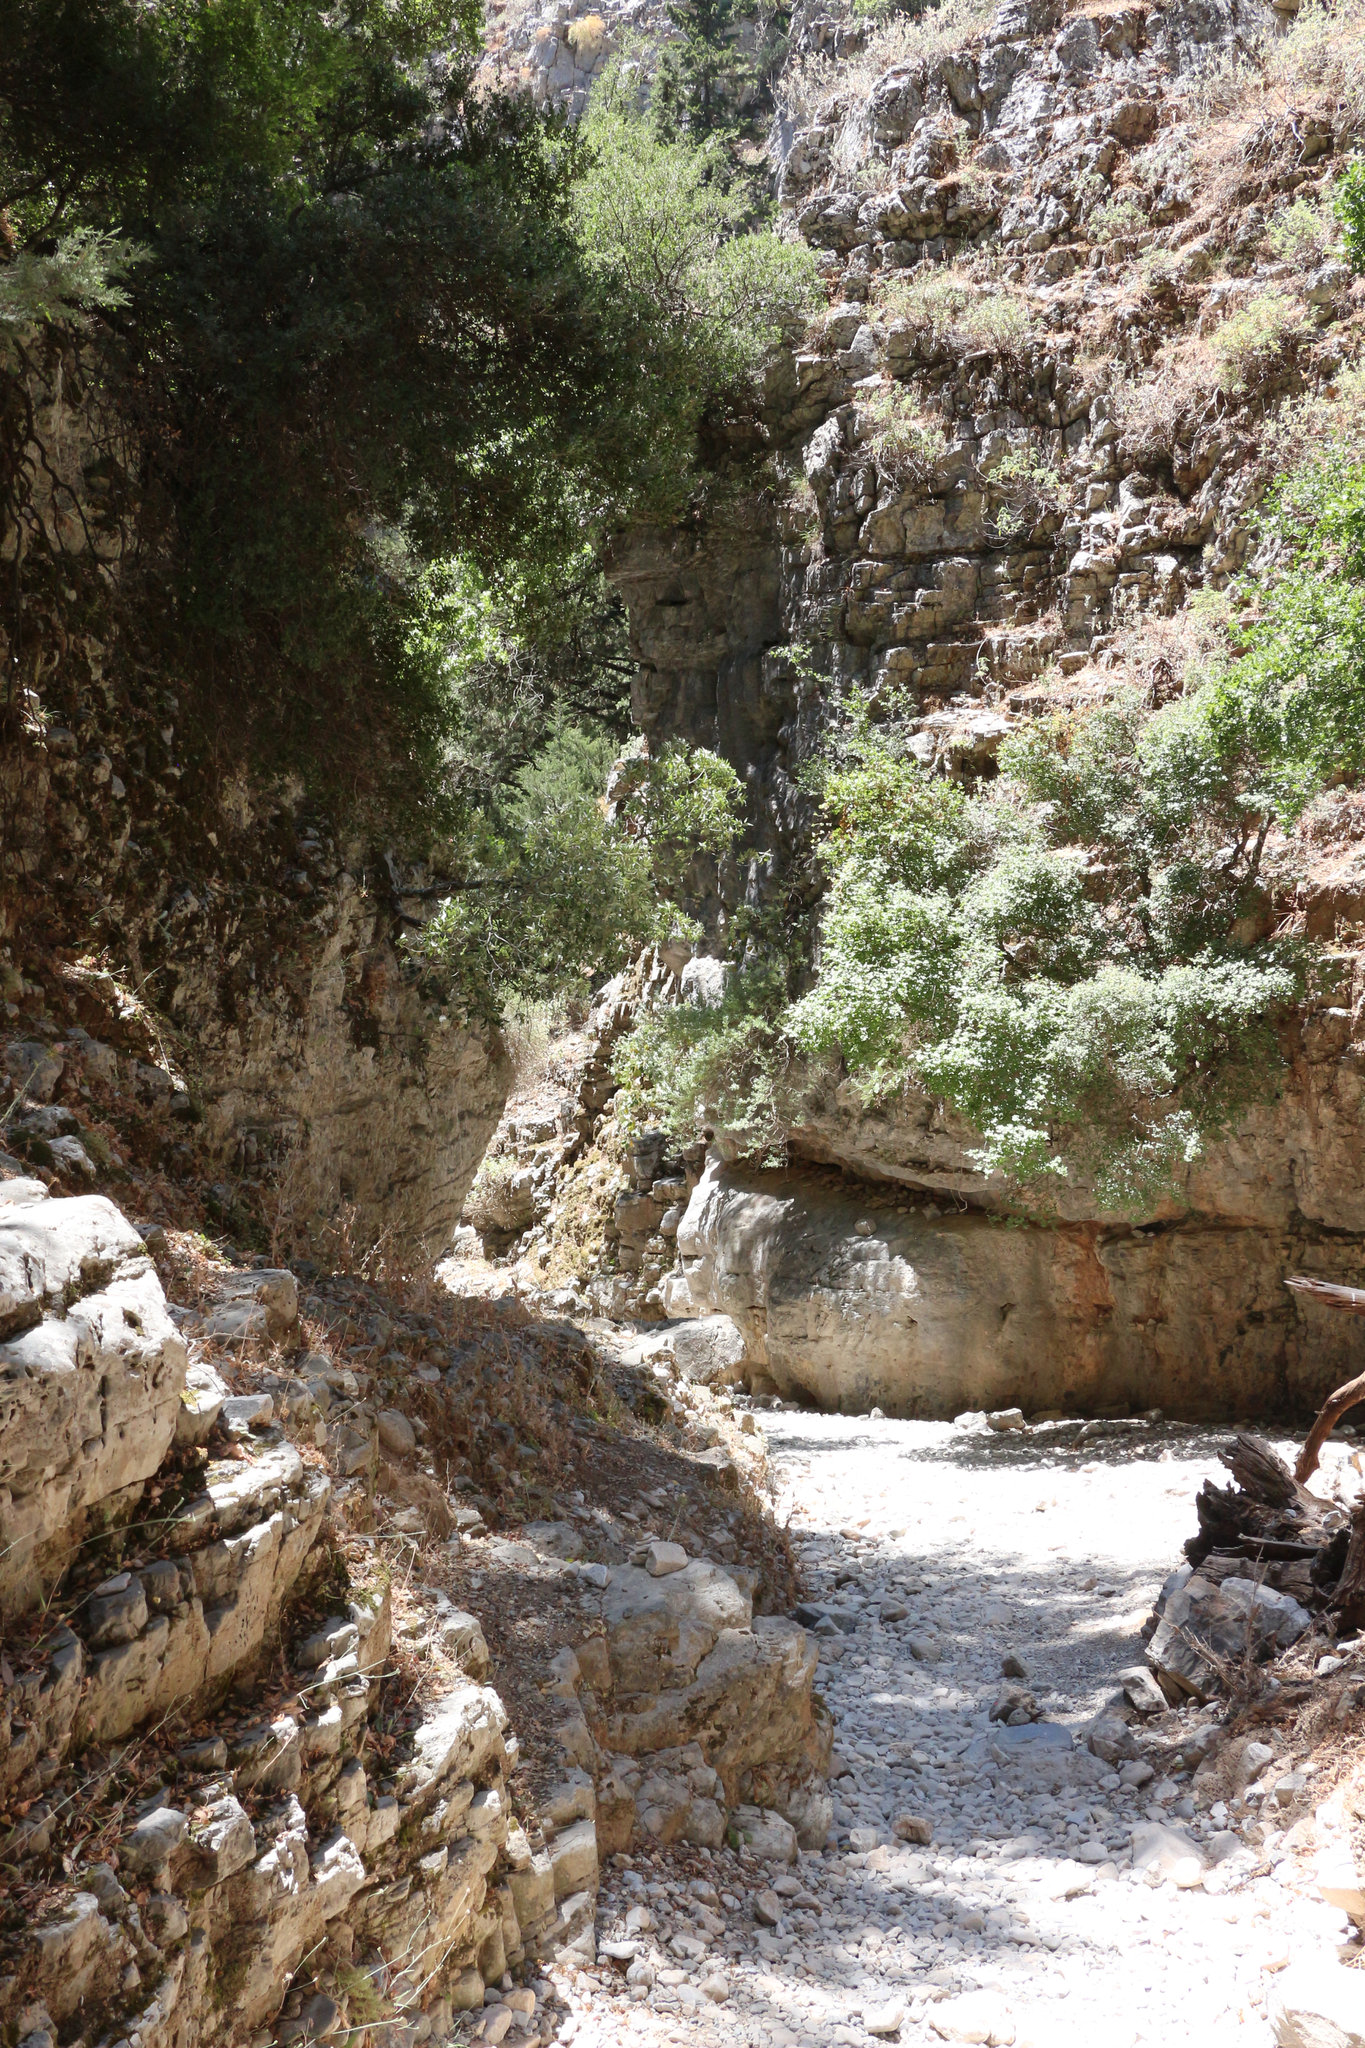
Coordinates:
269 1837
252 1794
1036 243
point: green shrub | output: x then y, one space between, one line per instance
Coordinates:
554 892
380 321
955 313
551 893
1249 342
1348 204
1114 220
1287 716
1065 955
962 946
690 1067
708 295
1302 234
685 803
83 276
904 444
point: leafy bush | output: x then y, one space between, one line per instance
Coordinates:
554 891
551 893
1029 486
708 70
691 1066
709 295
955 313
904 444
1114 220
1302 234
1099 1030
1249 342
1073 957
1348 204
685 803
1287 715
379 322
81 277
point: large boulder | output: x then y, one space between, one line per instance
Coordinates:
701 1707
91 1372
908 1298
1204 1628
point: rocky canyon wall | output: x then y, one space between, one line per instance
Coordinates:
183 902
1100 214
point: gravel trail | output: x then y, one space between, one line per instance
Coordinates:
941 1554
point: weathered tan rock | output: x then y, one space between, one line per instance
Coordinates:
90 1379
930 1315
701 1706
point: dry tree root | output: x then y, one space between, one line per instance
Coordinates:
1333 1408
1350 1301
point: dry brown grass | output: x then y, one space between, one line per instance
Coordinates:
1320 54
809 82
950 305
1323 52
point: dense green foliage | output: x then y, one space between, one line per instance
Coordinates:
559 886
1061 955
693 1065
1286 715
670 234
381 363
360 336
1078 957
1348 204
365 322
706 73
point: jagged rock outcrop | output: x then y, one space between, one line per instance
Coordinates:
978 212
255 1792
268 1833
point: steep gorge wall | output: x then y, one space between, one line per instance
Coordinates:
986 605
178 897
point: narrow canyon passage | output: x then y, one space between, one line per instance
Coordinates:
943 1556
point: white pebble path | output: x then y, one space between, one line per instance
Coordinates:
1023 1903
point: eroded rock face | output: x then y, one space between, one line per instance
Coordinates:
366 1096
308 1052
982 165
90 1379
864 1298
696 1707
279 1835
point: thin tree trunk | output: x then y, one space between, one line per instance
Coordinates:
1349 1301
1330 1413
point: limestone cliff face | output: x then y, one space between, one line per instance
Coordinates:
255 1788
1028 165
148 878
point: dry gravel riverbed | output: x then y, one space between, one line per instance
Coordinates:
945 1553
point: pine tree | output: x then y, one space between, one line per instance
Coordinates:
704 73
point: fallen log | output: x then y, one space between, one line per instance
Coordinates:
1350 1300
1260 1471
